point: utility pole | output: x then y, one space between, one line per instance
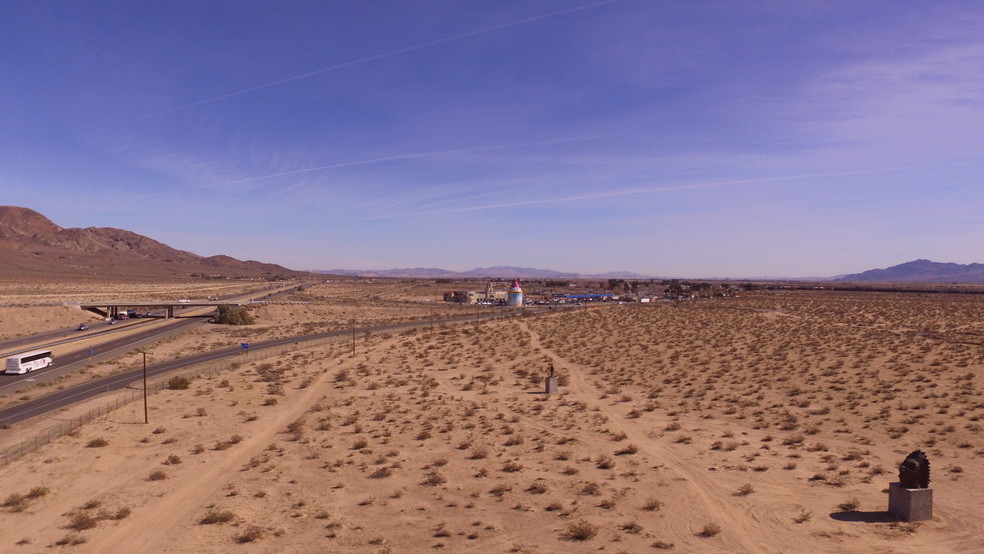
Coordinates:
144 352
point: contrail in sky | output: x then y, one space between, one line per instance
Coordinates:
650 190
374 57
410 156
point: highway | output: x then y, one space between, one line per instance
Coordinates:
8 347
129 339
69 396
74 361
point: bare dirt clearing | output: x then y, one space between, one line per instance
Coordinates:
772 422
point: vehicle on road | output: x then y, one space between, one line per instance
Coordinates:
29 361
83 327
183 301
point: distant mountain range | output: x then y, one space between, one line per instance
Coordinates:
31 244
496 272
921 271
918 271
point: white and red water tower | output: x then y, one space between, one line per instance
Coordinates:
514 297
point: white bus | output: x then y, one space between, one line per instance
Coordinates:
29 361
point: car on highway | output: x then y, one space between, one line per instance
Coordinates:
82 327
183 301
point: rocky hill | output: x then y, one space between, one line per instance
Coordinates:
31 244
921 271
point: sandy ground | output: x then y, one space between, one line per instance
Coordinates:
769 423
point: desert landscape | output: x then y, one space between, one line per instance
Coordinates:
770 422
559 276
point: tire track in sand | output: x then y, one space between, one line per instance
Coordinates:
152 527
709 502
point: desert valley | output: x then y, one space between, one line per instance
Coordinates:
371 415
768 422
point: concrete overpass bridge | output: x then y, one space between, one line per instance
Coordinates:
112 308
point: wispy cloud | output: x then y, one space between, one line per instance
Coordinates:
383 55
650 190
398 157
924 106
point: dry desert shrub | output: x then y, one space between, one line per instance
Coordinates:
213 516
499 490
16 502
627 450
512 467
652 505
381 473
121 513
803 517
537 487
178 383
434 479
580 531
171 460
72 539
851 505
709 530
251 534
81 521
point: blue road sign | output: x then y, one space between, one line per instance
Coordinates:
91 352
244 345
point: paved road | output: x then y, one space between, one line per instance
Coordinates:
73 361
66 397
15 345
11 346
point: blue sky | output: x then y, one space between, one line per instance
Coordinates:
692 139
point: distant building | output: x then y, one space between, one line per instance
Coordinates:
490 296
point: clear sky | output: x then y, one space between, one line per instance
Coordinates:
669 138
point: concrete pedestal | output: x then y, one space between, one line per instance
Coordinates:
551 386
910 504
